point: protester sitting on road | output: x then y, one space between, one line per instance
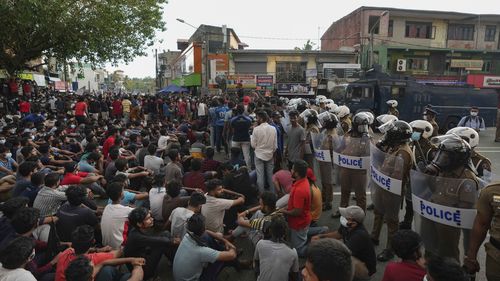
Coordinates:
83 269
14 258
444 269
408 246
180 215
328 260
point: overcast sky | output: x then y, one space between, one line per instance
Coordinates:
290 22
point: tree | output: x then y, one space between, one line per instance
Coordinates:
308 46
89 31
144 85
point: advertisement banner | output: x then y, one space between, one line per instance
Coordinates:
299 89
491 82
265 80
247 81
341 70
60 85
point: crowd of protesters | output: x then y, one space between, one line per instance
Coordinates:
103 186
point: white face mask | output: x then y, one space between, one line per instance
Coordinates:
343 221
425 117
73 126
33 137
473 113
8 155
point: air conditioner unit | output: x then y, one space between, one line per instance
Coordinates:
401 66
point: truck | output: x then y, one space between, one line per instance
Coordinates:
452 102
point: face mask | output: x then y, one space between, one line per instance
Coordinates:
73 126
2 141
8 155
12 131
362 128
33 137
425 117
473 113
415 136
343 221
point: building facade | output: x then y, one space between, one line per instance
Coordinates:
443 45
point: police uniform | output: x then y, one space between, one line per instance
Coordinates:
326 168
481 163
488 205
308 149
435 128
393 111
389 212
354 179
441 239
346 124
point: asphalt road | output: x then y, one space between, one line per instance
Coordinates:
487 147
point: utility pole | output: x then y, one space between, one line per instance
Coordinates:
372 30
156 69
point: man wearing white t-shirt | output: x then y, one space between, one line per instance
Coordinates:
216 207
178 218
153 162
114 217
14 258
156 196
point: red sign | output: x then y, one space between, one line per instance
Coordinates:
484 81
60 85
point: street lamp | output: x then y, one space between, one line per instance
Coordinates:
207 46
371 34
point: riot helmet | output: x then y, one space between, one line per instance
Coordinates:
328 120
320 99
453 152
310 116
421 128
343 111
468 134
362 121
392 103
385 121
302 105
396 132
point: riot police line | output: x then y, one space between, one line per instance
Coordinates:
439 178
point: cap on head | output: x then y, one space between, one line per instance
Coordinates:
353 212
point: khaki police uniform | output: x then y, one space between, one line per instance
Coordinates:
346 124
488 205
352 179
435 128
481 163
393 111
308 149
326 168
441 239
391 214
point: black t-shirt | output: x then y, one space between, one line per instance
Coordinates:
359 242
241 124
94 107
70 217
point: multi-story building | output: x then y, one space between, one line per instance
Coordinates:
419 43
88 78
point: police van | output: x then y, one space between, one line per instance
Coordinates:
451 102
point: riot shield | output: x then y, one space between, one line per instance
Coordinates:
442 207
386 174
352 153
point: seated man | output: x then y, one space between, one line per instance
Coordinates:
83 269
141 244
114 217
196 178
408 246
23 179
73 177
274 259
18 253
173 199
153 162
31 192
327 260
177 220
130 197
193 254
132 173
73 213
354 235
209 164
50 197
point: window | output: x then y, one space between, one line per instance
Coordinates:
490 34
390 29
487 66
418 30
420 64
461 32
291 72
373 24
397 92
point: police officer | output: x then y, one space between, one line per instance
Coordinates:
393 104
487 218
430 116
357 143
481 163
329 123
310 117
421 150
452 160
344 117
395 143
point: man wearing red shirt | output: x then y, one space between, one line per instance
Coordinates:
407 245
117 108
24 107
27 88
299 207
73 178
13 87
81 110
109 142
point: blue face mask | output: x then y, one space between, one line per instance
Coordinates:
415 136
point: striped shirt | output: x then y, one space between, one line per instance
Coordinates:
48 201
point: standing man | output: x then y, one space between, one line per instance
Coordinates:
487 218
430 116
240 125
299 207
393 110
126 106
81 110
264 142
220 114
296 140
473 121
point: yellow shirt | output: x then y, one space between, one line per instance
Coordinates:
126 106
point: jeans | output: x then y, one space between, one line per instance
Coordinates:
264 173
298 239
111 273
245 148
218 138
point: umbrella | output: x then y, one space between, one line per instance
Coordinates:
172 89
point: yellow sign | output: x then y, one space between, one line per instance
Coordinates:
467 64
3 73
25 76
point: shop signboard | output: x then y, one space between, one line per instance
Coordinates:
313 72
265 80
40 80
467 64
491 82
246 80
294 89
340 70
60 85
25 76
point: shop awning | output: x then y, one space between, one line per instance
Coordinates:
54 79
